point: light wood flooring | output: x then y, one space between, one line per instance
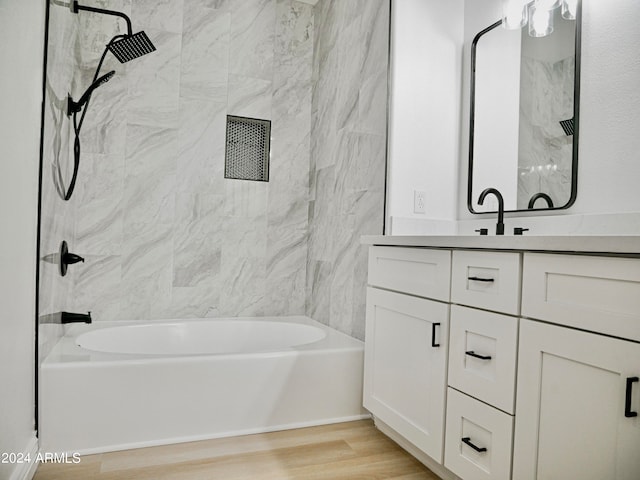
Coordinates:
353 450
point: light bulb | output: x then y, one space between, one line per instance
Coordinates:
514 14
547 4
540 21
569 9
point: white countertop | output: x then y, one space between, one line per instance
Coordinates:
581 244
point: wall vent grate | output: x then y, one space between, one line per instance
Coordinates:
247 150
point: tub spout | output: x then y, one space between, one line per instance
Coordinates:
68 317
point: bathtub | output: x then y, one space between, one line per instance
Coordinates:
120 385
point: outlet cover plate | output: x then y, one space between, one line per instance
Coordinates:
419 201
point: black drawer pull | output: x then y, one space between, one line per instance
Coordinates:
480 279
471 353
627 398
433 335
467 440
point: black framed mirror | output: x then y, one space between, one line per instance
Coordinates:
524 117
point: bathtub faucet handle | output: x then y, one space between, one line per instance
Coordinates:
67 258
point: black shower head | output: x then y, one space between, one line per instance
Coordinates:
74 107
131 47
124 47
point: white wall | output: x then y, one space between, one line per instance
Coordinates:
609 151
424 111
21 38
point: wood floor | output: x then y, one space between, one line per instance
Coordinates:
353 450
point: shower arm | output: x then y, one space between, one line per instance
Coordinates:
76 8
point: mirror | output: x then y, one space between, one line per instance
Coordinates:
524 117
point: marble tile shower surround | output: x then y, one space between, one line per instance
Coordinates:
163 233
348 147
545 152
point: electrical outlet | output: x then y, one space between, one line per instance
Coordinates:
419 202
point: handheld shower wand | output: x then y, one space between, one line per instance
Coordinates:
124 47
75 107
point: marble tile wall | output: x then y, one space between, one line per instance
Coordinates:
348 152
164 234
545 152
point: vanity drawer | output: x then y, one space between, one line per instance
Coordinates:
418 271
489 280
470 422
600 294
482 355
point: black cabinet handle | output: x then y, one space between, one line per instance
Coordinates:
471 353
433 334
627 398
467 440
480 279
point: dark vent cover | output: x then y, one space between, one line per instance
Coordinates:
567 126
247 153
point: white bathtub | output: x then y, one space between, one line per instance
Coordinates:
210 337
134 384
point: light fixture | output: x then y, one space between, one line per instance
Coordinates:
514 14
548 4
569 9
538 13
540 20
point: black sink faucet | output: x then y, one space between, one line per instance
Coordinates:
500 224
544 196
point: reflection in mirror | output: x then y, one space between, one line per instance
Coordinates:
524 99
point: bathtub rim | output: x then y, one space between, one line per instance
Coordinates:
66 353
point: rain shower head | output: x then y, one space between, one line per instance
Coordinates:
124 47
74 107
131 47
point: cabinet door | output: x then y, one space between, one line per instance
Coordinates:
575 403
405 366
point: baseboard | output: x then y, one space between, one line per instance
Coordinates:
26 471
425 459
227 434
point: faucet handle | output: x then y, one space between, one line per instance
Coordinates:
67 258
483 231
519 230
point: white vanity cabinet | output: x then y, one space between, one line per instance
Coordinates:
577 396
406 343
539 376
578 399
